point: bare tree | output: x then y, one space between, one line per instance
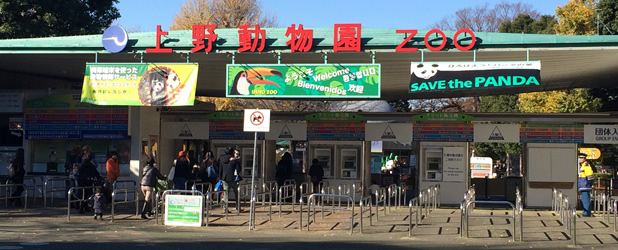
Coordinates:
223 13
484 18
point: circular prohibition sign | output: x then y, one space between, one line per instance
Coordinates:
256 118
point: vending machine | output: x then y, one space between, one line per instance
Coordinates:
433 167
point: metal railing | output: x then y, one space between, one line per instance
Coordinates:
50 182
126 190
403 191
203 187
71 195
311 204
34 186
264 193
614 207
566 212
467 215
210 202
306 189
365 206
161 199
289 182
392 195
287 191
8 189
380 198
416 209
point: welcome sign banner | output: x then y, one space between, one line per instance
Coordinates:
461 76
140 84
303 81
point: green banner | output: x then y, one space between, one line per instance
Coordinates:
140 84
183 210
303 81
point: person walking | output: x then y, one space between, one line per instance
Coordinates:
284 169
584 183
317 174
183 170
228 166
150 175
208 172
87 176
16 176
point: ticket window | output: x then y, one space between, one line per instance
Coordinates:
349 163
433 164
247 162
324 156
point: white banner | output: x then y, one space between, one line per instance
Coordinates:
454 169
496 132
601 134
185 130
399 132
296 131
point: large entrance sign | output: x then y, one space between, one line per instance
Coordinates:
303 81
140 84
463 76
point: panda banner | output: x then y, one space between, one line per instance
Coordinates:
429 77
140 84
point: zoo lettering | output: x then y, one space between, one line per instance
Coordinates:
484 82
346 37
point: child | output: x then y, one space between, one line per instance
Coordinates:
99 200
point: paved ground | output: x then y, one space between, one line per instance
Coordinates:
47 228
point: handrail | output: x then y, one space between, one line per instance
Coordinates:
210 204
34 185
264 193
414 205
289 182
203 187
9 192
126 191
70 198
468 215
403 191
311 204
306 189
392 193
50 181
380 198
287 192
365 206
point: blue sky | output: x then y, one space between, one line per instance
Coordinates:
399 14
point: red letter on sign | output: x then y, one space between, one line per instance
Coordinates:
456 42
441 45
347 37
248 42
301 40
400 47
199 34
158 49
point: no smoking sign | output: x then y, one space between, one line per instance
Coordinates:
257 120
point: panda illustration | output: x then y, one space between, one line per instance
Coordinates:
425 71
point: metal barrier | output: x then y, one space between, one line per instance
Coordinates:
567 212
350 189
34 185
203 187
614 206
210 203
380 198
365 206
125 191
392 195
71 195
573 230
513 216
414 208
161 199
50 182
287 192
8 191
306 189
289 182
264 193
311 204
403 191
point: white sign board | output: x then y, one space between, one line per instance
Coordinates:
296 131
454 168
185 130
183 210
601 134
496 132
257 120
399 132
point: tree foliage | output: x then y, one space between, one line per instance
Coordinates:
223 13
45 18
484 18
577 17
559 101
524 23
607 11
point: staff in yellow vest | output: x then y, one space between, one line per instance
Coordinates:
584 183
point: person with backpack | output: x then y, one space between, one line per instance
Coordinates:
16 174
149 182
316 171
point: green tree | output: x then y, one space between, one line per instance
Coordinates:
45 18
559 101
577 17
524 23
607 11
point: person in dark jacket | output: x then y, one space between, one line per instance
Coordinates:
208 171
87 176
18 178
228 166
284 169
316 171
182 172
150 175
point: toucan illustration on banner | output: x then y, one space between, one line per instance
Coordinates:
244 79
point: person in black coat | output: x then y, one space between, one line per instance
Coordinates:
87 176
284 169
149 182
182 172
18 178
228 167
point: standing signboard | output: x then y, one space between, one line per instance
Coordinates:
184 210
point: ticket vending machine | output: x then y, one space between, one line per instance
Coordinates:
433 167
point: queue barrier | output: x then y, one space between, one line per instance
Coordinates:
306 189
72 194
126 190
311 204
33 188
403 191
513 216
287 192
365 206
203 187
566 212
253 205
161 199
8 192
289 182
392 195
380 198
50 183
219 203
415 208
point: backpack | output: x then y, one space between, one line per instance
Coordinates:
12 171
